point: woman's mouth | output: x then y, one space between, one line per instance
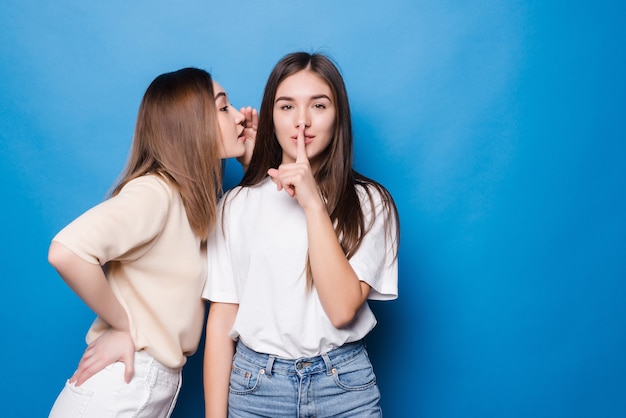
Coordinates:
307 139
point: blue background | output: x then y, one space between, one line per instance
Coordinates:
498 126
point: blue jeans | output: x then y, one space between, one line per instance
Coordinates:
340 383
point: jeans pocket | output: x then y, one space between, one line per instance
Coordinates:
151 397
244 379
71 402
357 374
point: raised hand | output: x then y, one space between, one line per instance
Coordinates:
250 126
110 347
297 178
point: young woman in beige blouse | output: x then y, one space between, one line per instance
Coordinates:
138 259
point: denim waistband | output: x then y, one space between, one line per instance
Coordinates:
303 365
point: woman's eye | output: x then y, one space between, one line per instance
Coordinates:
224 109
319 106
286 107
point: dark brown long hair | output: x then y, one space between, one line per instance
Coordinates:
335 176
177 136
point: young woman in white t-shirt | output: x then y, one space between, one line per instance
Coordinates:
138 259
299 247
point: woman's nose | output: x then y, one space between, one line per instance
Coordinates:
239 117
303 118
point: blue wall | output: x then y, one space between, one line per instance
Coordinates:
499 127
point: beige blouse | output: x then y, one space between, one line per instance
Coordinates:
155 265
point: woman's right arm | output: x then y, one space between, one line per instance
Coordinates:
218 358
88 281
119 228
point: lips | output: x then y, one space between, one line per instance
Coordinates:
307 139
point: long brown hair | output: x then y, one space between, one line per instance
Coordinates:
335 176
177 136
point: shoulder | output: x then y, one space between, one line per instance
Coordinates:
376 200
151 184
372 193
150 190
233 195
239 194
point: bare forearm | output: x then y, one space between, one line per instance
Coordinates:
90 284
340 291
218 356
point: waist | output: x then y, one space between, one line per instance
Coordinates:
323 362
155 370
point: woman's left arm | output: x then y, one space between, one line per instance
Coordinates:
250 125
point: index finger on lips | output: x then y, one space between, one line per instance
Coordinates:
301 150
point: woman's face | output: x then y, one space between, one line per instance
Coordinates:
304 98
230 123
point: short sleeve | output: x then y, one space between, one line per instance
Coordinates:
122 227
375 262
220 283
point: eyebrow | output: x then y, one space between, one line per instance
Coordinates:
218 95
316 97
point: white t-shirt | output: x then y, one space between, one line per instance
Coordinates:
257 259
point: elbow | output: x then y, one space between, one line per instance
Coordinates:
57 255
54 254
344 312
343 318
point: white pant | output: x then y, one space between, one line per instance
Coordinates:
151 393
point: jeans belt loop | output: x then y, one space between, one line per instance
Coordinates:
329 365
270 365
